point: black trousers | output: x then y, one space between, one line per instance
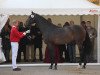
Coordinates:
22 48
65 51
7 54
40 53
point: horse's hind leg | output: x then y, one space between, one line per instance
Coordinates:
51 52
85 61
80 60
83 58
81 55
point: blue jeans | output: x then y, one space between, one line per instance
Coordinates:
72 52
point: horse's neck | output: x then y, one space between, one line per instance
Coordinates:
44 25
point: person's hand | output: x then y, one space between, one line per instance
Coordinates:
28 31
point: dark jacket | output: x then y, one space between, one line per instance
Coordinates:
22 40
5 35
30 36
38 37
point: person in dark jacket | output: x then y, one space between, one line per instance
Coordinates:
37 42
92 35
30 44
6 46
22 43
87 45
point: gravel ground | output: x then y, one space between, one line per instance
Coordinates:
43 70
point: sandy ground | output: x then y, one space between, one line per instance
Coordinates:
43 70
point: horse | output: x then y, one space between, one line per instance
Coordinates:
54 35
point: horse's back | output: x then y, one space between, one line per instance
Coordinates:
79 32
77 28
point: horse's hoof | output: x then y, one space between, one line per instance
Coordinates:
84 67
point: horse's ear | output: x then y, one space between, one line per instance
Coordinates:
32 15
32 12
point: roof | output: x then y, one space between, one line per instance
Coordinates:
48 7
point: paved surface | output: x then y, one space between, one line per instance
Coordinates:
43 70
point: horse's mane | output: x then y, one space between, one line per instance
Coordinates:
44 21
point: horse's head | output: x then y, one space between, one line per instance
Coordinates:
31 19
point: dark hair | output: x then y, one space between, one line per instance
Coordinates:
7 23
49 19
83 23
66 24
89 21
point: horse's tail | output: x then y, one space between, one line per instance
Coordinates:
87 45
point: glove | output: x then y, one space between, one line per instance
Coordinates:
24 33
28 31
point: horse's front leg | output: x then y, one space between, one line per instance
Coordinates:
51 52
55 67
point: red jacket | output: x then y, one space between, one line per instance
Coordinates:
15 35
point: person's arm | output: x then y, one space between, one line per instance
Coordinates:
17 33
95 33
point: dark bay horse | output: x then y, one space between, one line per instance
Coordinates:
54 35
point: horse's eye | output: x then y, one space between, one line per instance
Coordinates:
32 16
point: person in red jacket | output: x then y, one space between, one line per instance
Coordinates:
15 37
